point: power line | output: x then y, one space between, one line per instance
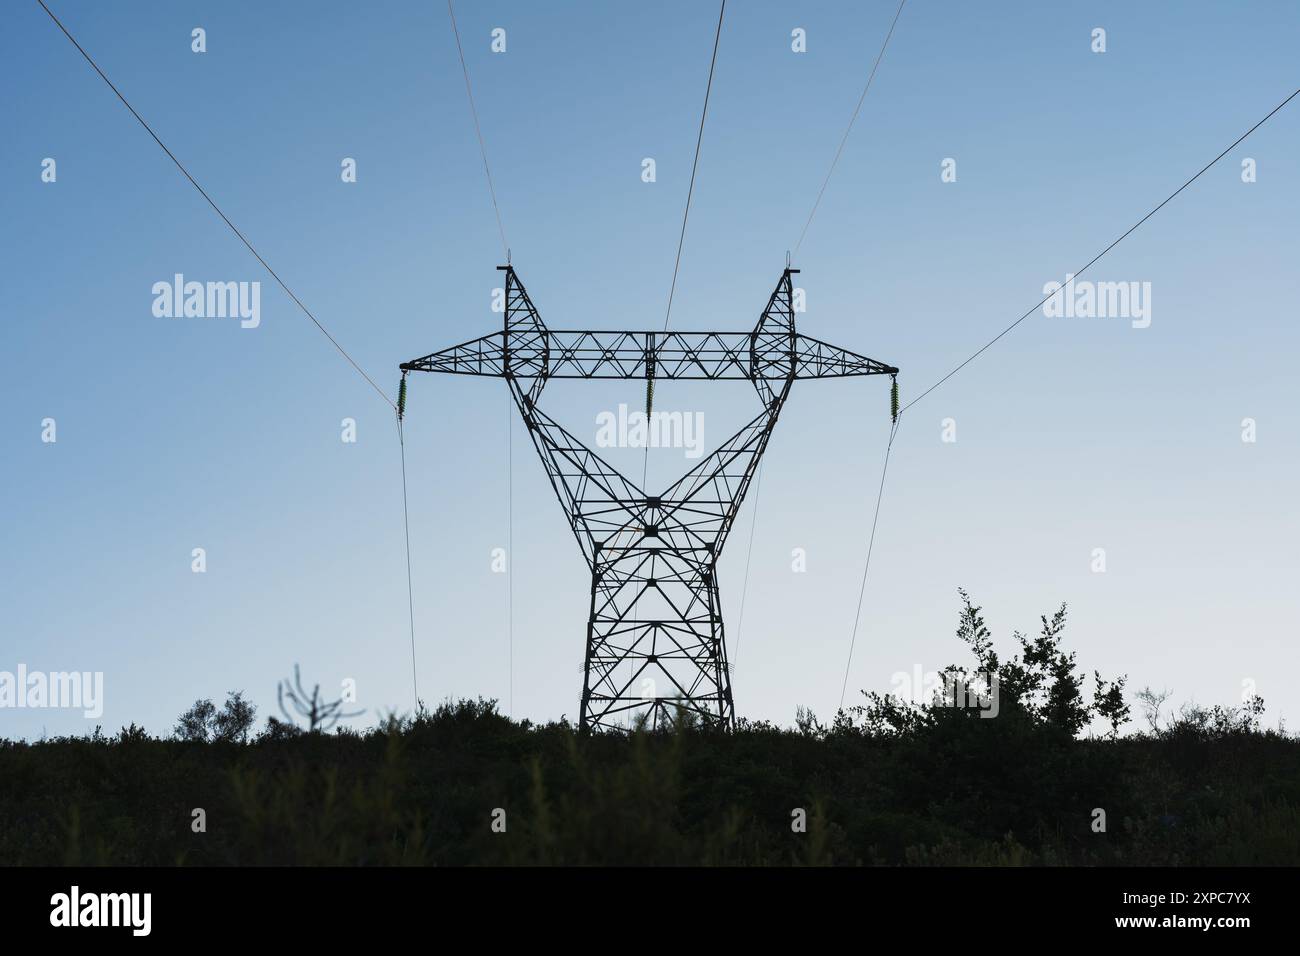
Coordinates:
482 147
681 239
1126 234
410 591
988 344
510 455
216 208
871 542
834 162
853 119
699 139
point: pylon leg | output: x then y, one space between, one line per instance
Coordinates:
655 649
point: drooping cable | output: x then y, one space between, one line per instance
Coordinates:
992 341
852 119
871 543
211 202
816 204
478 131
1131 229
695 164
410 590
686 213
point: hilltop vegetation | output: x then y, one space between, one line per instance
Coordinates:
887 782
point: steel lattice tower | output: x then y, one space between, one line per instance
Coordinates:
653 558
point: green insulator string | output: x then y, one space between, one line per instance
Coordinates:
893 399
401 398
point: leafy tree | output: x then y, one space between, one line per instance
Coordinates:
195 722
203 722
235 720
1039 685
971 630
1108 702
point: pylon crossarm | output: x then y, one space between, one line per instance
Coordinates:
697 356
482 356
817 359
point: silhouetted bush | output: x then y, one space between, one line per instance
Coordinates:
204 722
888 782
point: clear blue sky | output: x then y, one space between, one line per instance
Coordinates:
1072 434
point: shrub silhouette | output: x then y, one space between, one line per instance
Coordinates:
887 782
196 723
1038 687
204 722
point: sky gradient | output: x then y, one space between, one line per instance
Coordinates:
1072 434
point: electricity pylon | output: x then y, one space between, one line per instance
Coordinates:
655 644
